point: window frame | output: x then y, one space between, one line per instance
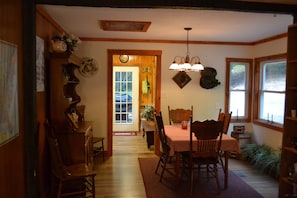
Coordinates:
257 92
249 78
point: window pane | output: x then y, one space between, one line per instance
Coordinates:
117 76
129 76
272 107
124 77
238 76
274 76
237 108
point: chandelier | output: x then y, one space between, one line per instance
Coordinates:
181 63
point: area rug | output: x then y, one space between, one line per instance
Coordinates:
125 133
202 188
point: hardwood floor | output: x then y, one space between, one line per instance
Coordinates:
119 176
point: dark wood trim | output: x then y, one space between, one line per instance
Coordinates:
43 13
272 38
110 54
165 41
256 101
250 88
29 100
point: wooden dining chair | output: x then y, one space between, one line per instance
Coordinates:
70 180
164 157
226 117
98 142
204 150
177 116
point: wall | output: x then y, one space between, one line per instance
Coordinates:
12 177
206 103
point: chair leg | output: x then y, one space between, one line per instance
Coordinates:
217 177
93 186
59 190
192 180
158 165
164 167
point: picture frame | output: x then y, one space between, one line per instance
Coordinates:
9 104
181 79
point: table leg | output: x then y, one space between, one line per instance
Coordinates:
177 167
227 154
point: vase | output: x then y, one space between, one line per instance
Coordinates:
59 46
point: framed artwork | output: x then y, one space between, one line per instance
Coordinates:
39 64
9 108
181 79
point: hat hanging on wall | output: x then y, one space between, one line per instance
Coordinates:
208 78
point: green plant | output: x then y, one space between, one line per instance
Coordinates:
148 112
263 157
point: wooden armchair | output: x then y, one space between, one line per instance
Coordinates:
176 116
165 147
71 180
226 117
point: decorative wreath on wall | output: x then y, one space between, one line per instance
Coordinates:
88 67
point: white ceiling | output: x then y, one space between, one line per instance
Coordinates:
168 24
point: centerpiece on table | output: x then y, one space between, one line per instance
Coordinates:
65 43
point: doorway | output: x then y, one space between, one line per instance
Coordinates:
157 86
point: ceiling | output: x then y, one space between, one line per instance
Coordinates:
168 24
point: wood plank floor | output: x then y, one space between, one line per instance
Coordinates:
119 176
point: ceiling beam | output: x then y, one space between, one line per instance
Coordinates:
187 4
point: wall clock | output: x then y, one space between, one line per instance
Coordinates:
124 58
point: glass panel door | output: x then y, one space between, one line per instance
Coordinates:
125 98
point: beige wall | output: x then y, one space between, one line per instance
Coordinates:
206 103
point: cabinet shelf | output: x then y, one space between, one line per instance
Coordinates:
291 118
73 81
290 149
292 88
63 82
292 60
286 180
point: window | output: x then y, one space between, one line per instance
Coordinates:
238 88
270 86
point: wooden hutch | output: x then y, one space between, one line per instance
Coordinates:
73 132
288 177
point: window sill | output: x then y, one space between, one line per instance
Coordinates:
270 125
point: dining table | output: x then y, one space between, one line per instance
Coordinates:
178 139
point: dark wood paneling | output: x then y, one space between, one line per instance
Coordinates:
12 178
46 28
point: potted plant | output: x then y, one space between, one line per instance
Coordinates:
147 121
148 113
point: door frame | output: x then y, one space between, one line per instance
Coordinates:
110 53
